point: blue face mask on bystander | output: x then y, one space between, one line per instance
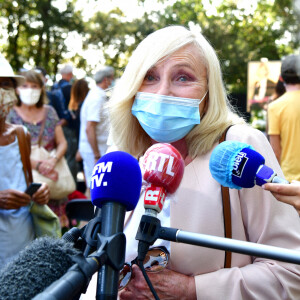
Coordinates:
166 119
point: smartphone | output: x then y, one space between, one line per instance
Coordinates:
33 187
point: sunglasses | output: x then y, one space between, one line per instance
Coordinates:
155 261
7 85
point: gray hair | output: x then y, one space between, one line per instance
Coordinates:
66 69
103 73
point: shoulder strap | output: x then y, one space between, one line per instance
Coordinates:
42 126
226 211
25 153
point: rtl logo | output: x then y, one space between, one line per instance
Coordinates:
156 162
155 197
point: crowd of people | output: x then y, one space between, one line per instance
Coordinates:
51 120
171 91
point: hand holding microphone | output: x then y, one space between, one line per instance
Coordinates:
287 193
237 165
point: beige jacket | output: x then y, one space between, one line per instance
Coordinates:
256 217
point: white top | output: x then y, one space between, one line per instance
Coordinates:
93 110
16 228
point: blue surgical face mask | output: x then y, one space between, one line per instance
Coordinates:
166 119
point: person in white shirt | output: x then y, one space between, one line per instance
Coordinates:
94 123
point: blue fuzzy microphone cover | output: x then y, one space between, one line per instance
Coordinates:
234 164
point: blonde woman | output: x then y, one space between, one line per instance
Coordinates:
170 70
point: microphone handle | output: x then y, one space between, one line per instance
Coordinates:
236 246
71 284
280 180
94 233
113 215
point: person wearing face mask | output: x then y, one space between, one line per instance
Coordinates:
15 218
172 92
32 112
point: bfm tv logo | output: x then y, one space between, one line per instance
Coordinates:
100 169
239 164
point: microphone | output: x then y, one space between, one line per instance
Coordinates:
115 188
163 171
37 266
237 165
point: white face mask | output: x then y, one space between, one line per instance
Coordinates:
29 96
8 99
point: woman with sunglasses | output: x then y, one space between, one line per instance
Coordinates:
16 228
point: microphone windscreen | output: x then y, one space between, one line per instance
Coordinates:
164 166
42 262
117 178
234 164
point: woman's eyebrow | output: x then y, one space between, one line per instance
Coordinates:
176 65
185 65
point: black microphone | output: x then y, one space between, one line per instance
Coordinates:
37 266
115 187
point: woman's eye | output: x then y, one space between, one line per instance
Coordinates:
149 77
182 78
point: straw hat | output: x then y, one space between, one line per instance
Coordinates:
7 71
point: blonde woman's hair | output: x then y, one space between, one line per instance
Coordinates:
126 132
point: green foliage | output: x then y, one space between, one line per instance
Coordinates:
240 35
38 29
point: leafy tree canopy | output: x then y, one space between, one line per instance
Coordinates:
37 31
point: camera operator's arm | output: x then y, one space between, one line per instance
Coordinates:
288 193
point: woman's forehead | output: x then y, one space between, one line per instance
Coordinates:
188 56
